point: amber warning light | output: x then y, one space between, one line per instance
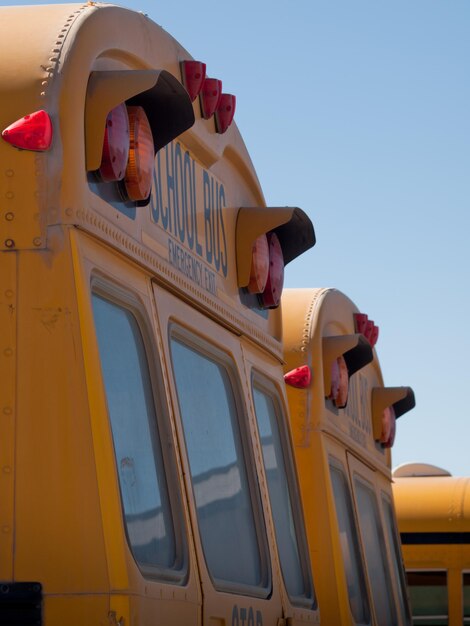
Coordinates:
128 152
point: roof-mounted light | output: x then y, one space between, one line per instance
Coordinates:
343 356
388 404
31 132
193 74
210 97
139 171
291 225
225 112
271 295
293 232
164 99
259 265
366 327
115 146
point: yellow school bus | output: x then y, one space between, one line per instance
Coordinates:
146 469
433 511
342 420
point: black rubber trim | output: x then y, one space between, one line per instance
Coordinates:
434 538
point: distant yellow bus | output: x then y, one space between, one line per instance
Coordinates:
342 420
433 510
147 475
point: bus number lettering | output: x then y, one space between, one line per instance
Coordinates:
246 617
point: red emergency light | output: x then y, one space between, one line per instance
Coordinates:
31 132
387 436
366 327
193 74
210 97
115 146
271 295
339 383
259 265
225 112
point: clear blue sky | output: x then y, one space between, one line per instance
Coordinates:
359 112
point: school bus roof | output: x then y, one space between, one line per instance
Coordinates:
65 43
309 317
206 178
432 504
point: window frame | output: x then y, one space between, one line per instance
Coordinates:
121 296
209 349
266 386
357 478
386 503
444 571
335 464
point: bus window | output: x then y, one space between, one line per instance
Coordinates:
148 508
396 557
350 547
287 514
466 597
428 596
375 554
223 492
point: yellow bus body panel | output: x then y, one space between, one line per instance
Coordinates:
322 435
62 522
436 504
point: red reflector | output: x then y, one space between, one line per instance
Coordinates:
210 97
225 112
360 320
300 378
259 265
193 74
115 145
271 296
374 336
31 132
139 172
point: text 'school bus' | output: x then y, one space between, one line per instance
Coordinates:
433 512
343 425
146 474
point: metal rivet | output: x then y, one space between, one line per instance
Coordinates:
9 216
9 195
9 173
9 293
6 469
7 410
8 352
37 241
9 243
